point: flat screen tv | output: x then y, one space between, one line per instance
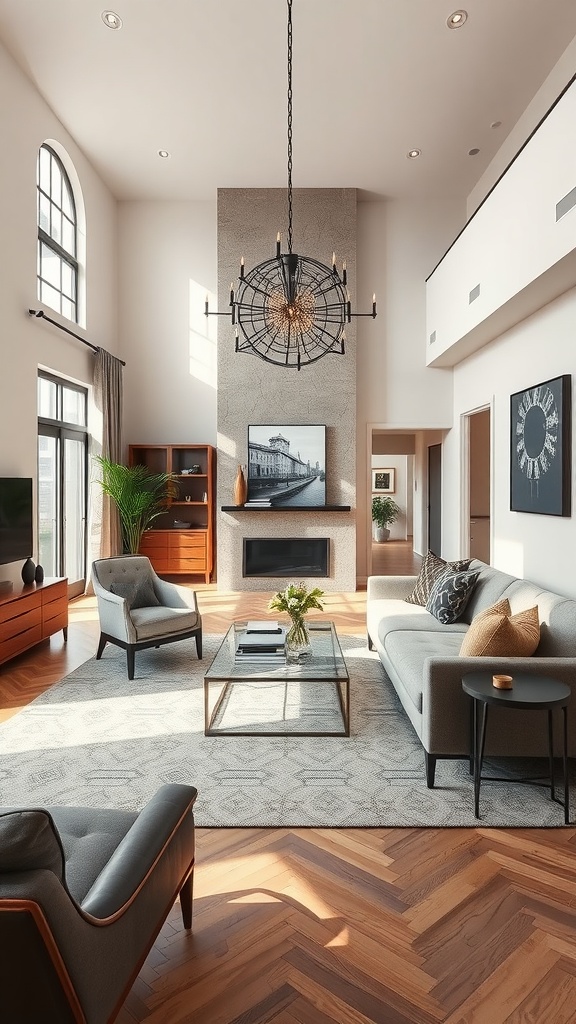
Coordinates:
287 465
16 534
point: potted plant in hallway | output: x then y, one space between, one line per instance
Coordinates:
385 511
139 495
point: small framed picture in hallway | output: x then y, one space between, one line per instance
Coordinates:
383 481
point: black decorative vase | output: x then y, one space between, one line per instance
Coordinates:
39 574
28 570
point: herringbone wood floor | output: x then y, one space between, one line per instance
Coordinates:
461 926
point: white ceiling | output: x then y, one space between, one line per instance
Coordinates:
206 80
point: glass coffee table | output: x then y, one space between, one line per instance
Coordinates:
256 698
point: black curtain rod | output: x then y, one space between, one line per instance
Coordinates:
44 316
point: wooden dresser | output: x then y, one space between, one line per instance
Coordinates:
32 613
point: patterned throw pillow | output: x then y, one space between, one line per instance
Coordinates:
432 567
137 591
500 635
449 595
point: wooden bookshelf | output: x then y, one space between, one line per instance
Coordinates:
182 541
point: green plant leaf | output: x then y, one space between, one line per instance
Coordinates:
139 495
296 600
385 511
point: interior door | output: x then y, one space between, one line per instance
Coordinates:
479 477
435 498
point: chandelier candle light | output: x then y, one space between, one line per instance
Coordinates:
291 310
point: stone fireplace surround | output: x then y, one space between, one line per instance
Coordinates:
253 391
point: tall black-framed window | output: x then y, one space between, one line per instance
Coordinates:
62 479
57 266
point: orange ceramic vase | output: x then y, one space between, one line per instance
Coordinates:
240 487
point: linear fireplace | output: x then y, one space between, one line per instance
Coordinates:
285 556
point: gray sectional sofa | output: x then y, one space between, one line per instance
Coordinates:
421 658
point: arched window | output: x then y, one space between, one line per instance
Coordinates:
57 236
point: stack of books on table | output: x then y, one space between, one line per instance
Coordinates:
258 503
261 641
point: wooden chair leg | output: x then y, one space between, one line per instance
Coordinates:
186 901
101 645
130 660
199 645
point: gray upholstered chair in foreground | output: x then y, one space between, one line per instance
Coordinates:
83 894
137 609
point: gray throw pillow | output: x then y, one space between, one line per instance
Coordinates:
29 840
432 567
138 591
450 594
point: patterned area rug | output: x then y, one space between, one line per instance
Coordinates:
100 740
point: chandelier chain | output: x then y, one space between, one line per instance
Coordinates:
289 126
290 310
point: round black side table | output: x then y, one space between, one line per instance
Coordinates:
529 693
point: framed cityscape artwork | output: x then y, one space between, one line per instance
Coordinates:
540 448
383 481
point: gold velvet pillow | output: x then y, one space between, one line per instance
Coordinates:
499 635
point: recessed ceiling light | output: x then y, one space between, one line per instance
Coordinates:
413 154
496 124
473 152
111 20
457 19
163 153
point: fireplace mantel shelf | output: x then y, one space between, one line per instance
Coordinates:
285 508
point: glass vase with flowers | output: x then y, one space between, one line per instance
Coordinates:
296 599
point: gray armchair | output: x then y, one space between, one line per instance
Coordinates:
83 894
137 609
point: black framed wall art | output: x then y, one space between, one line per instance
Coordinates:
383 481
540 448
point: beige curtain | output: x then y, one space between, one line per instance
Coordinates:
108 399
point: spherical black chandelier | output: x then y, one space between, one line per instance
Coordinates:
291 310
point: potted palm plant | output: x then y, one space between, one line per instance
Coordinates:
139 495
385 511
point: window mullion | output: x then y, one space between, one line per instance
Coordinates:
49 241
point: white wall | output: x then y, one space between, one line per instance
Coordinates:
550 89
536 547
399 243
514 255
537 349
25 344
167 265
